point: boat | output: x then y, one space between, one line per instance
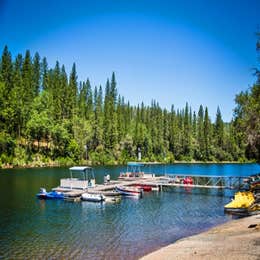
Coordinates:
188 180
129 191
93 197
110 193
175 179
144 187
113 199
254 182
155 188
81 177
241 203
43 194
135 170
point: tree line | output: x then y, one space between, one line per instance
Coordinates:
48 116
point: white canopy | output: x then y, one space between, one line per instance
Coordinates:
80 168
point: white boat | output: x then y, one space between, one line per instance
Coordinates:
134 170
93 197
129 191
81 177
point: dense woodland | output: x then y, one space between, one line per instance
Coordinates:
48 117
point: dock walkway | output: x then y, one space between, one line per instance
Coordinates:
199 181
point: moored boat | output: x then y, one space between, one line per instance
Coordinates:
241 203
81 178
135 170
188 180
43 194
93 197
254 182
144 187
129 191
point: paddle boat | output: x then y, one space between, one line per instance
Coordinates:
93 197
43 194
241 203
129 191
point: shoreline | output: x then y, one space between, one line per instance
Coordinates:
55 164
231 240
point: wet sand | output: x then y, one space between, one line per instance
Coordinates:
232 240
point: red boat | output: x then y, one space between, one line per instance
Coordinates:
188 180
144 187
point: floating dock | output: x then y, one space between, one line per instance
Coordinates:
158 182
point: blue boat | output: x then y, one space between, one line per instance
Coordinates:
54 195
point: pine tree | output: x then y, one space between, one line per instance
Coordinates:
72 92
6 69
119 113
6 87
207 134
89 101
113 89
36 74
28 88
200 134
107 117
194 125
113 104
17 97
82 103
166 130
65 98
98 118
187 132
45 74
219 129
173 131
57 92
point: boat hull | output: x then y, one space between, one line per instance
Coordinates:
128 191
92 197
236 210
146 188
53 195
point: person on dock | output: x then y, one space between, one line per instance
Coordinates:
106 179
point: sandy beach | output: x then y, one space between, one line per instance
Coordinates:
232 240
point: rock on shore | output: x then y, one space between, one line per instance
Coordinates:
232 240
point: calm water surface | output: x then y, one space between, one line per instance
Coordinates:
32 228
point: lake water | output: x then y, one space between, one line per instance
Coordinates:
32 228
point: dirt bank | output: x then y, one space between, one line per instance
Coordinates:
232 240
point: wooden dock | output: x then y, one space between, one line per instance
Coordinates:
199 181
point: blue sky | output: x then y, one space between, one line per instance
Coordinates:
172 51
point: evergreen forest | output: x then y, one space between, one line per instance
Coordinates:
48 117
